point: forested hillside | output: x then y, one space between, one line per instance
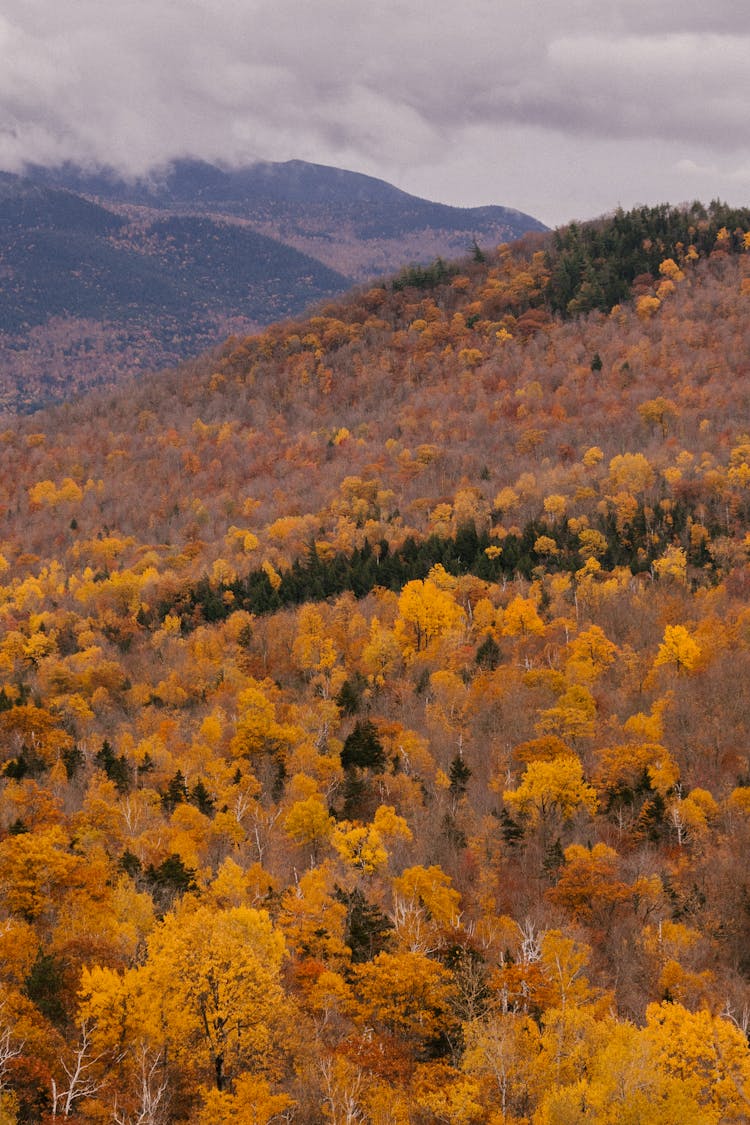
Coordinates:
374 710
91 295
104 278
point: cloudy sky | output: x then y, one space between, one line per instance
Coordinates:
561 108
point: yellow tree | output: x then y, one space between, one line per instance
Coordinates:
659 412
308 823
630 473
573 716
500 1050
708 1054
678 650
554 787
448 703
36 868
521 619
381 656
424 905
672 566
315 654
450 1097
33 731
407 995
313 921
258 730
590 654
209 993
618 1083
426 613
360 846
364 846
251 1102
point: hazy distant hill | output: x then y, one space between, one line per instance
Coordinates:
356 224
90 293
102 278
64 255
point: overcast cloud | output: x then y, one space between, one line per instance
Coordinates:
562 108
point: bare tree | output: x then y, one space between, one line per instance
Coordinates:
9 1049
81 1079
152 1100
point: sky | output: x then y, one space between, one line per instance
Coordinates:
564 109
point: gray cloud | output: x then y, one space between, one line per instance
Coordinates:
561 109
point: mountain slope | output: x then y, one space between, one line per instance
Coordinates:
65 256
89 293
102 278
381 682
375 365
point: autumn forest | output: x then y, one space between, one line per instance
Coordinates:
375 706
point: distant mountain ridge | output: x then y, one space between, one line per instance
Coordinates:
103 277
196 183
357 225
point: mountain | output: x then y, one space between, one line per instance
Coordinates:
103 277
65 256
90 293
359 225
375 705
